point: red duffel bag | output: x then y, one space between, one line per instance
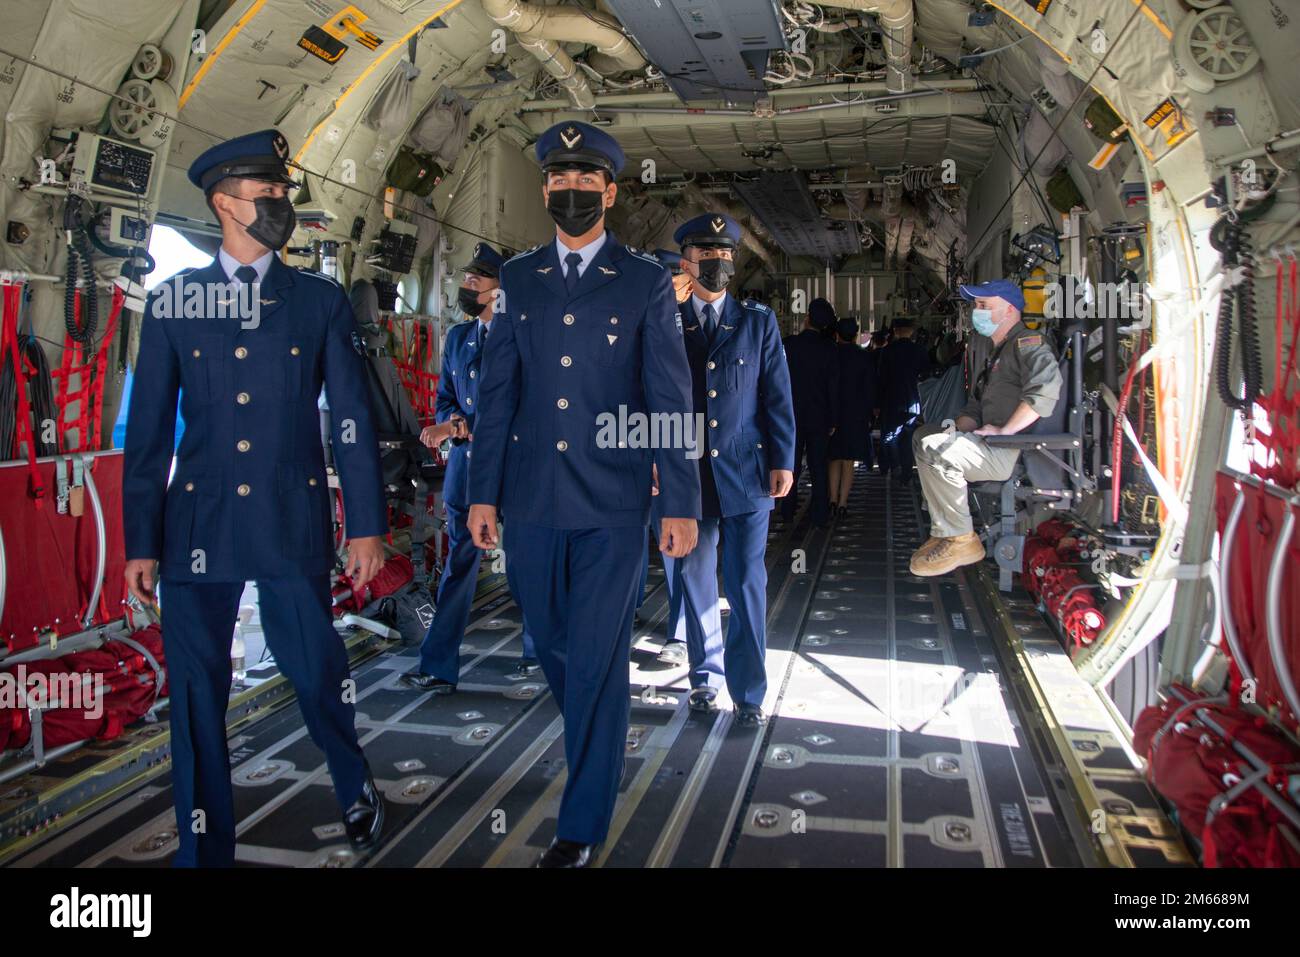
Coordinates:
1215 790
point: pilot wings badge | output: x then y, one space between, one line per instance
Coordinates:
608 272
544 270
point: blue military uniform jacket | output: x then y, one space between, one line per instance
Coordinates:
902 363
462 357
556 362
249 497
815 380
742 386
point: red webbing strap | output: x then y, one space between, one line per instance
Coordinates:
23 424
73 364
101 367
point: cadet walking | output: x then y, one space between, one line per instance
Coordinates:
588 331
249 500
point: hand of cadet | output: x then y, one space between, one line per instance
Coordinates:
782 481
365 558
654 479
461 427
682 287
141 574
677 536
434 435
482 523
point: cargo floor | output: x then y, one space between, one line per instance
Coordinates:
893 742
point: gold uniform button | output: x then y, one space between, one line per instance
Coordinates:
566 361
243 445
713 365
196 353
189 486
713 423
311 482
562 445
713 393
293 351
568 319
562 403
243 398
243 490
713 452
241 353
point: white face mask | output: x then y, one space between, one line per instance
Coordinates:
982 320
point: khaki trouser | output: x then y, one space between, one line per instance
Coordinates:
945 463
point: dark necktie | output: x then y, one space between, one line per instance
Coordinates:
710 321
482 334
571 277
246 274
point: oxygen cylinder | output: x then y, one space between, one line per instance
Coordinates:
1034 289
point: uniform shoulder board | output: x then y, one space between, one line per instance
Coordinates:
304 271
1028 342
526 252
644 256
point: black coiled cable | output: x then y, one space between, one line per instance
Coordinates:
79 257
43 408
1233 242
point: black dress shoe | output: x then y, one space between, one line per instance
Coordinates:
365 818
750 716
701 700
419 681
525 668
566 854
673 653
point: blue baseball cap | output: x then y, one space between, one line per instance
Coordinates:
670 259
711 229
995 289
486 262
261 155
572 145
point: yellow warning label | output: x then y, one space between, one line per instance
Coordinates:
1039 6
1169 119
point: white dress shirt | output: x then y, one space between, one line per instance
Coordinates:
229 264
587 252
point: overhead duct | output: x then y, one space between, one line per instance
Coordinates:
540 31
896 22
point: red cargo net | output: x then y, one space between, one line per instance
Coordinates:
415 354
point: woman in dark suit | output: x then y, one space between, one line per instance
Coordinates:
851 442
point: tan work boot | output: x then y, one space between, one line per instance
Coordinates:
948 554
930 544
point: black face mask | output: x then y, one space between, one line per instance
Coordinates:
274 223
715 273
576 211
467 299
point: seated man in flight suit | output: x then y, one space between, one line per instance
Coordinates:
1021 383
462 356
742 388
250 500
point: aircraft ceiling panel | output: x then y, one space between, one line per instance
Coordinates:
786 207
811 143
706 51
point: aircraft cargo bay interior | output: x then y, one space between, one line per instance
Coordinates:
649 433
